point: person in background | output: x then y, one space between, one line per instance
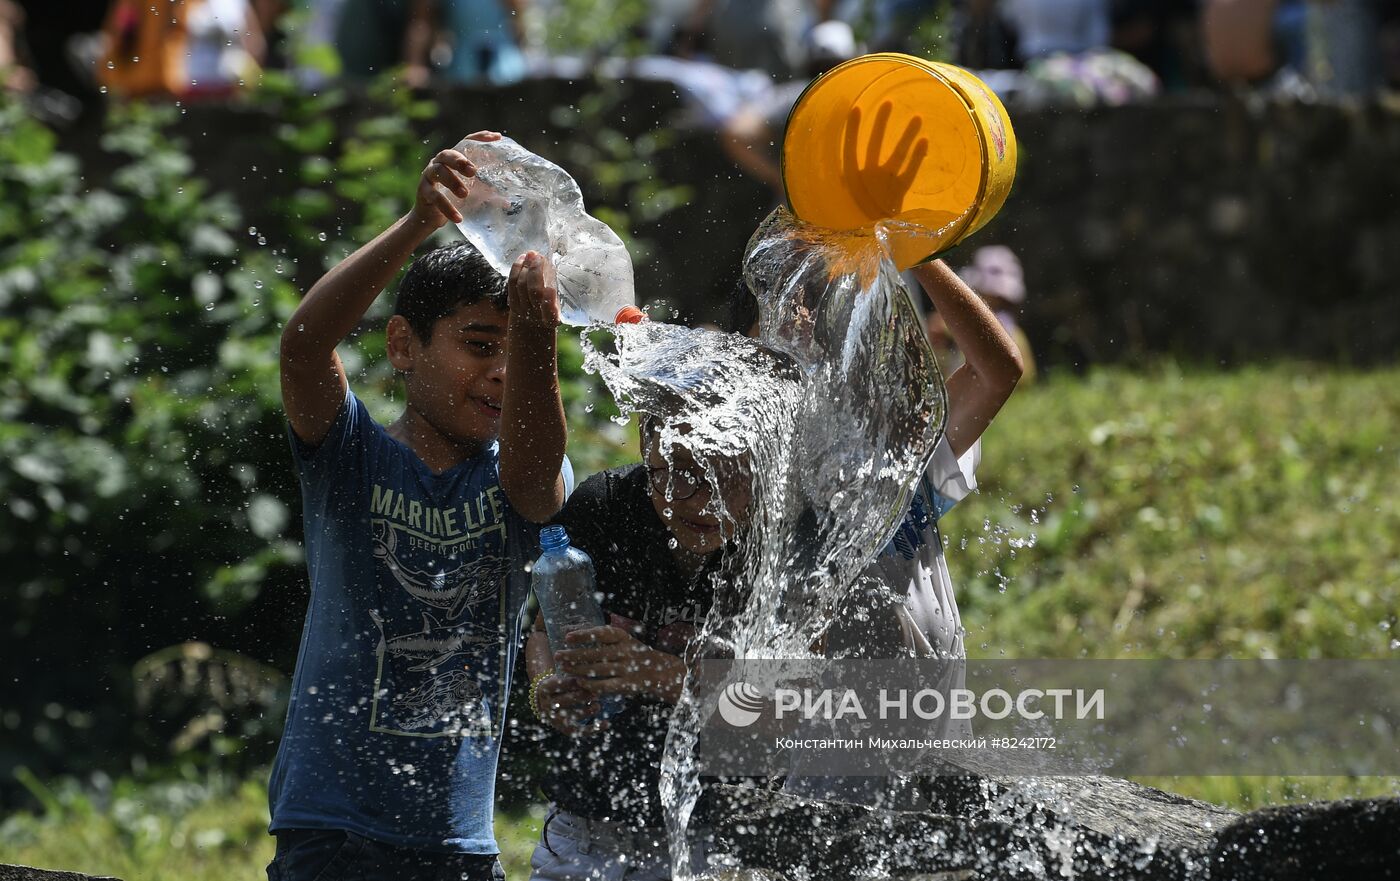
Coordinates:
1045 27
1164 35
52 41
190 49
226 47
15 75
984 40
370 36
752 138
485 39
1241 42
1344 49
766 34
1389 40
270 16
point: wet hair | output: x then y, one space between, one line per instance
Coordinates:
741 310
442 281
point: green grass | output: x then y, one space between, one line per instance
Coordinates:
189 830
1169 514
1197 515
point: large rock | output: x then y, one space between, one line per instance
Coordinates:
1089 829
1343 839
26 873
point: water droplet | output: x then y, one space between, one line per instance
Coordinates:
321 236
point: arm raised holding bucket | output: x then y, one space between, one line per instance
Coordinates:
978 389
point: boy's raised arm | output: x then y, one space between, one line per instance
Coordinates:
978 389
313 379
533 431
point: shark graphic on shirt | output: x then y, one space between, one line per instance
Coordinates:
435 643
476 580
452 698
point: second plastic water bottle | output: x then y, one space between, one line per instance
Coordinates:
519 202
563 582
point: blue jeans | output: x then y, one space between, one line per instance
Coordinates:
333 855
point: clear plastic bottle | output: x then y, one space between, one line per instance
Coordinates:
563 582
519 202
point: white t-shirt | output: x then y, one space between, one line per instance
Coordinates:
926 624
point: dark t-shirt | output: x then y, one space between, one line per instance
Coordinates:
614 776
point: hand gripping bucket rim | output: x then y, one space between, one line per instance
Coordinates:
948 189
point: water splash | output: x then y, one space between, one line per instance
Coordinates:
830 416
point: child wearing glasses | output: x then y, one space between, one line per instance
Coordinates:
653 557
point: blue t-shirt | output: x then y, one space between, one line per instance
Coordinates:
417 581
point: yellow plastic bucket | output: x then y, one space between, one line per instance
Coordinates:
893 137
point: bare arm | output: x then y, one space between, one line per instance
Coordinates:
609 660
418 41
313 379
516 10
533 432
699 17
978 389
559 701
539 660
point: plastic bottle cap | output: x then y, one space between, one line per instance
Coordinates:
630 315
552 538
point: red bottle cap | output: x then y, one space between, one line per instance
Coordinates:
630 315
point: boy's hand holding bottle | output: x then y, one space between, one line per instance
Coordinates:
446 173
609 660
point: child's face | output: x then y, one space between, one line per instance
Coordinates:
456 381
684 514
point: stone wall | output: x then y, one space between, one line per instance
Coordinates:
1211 229
1203 227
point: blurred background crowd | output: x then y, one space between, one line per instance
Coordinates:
736 66
725 54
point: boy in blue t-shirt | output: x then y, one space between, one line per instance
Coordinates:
416 537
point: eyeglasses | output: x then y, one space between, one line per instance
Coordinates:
684 484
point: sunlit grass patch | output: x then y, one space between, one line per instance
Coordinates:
1186 515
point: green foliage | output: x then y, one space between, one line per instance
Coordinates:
143 457
595 27
623 188
195 827
188 828
1186 515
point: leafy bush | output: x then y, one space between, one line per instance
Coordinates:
143 460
